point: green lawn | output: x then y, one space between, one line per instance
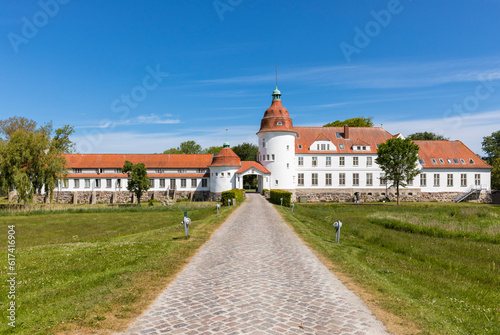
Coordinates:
94 270
435 266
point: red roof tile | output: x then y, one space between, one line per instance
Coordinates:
452 150
150 175
247 165
226 157
370 135
276 118
116 161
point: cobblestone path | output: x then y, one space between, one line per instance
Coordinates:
255 276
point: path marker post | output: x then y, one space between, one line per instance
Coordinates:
217 206
337 225
281 200
293 204
186 222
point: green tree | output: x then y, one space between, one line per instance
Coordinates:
398 159
139 182
426 136
491 145
188 147
246 151
214 150
31 159
495 174
354 122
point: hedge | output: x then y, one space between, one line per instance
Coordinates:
276 196
230 195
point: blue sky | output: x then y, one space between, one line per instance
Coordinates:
143 76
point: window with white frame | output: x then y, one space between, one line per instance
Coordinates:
328 161
108 183
449 180
315 161
300 161
463 180
272 157
97 183
436 179
183 183
328 179
162 183
181 170
369 161
172 184
341 161
383 181
118 183
194 183
423 180
341 179
263 142
369 179
300 179
152 181
355 179
204 182
77 170
159 171
477 179
76 182
355 161
314 179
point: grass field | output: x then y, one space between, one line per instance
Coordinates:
93 270
434 266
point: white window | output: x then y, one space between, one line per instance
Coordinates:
328 179
328 161
108 183
267 157
287 148
341 161
152 181
449 179
477 179
369 179
77 183
323 147
300 178
423 180
183 183
97 183
314 179
355 179
315 161
355 161
77 170
463 180
341 179
436 179
194 183
162 183
118 183
368 161
272 156
172 184
160 171
118 170
383 182
287 165
204 182
276 182
301 161
263 142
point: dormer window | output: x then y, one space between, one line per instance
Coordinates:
279 123
300 146
433 160
441 161
341 146
338 135
421 161
455 160
449 161
471 161
462 161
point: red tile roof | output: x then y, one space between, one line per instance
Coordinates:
276 118
247 165
449 150
150 175
226 157
369 135
79 161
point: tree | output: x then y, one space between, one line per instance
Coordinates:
139 182
495 174
354 122
426 136
188 147
398 157
491 145
246 151
31 159
212 150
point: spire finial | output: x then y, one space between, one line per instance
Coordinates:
276 76
226 144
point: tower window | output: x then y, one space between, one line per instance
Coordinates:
279 123
263 142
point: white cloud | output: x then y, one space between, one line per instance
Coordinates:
140 119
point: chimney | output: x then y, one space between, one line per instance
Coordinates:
346 132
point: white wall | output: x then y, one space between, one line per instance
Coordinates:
281 165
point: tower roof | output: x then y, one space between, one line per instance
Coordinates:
226 157
276 117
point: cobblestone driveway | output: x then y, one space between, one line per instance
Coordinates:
255 276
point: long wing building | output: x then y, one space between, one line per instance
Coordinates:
314 163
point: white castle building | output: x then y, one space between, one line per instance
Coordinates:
314 163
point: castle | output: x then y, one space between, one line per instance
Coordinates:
314 163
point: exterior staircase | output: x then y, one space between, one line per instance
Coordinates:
475 189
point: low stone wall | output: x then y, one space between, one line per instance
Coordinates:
410 195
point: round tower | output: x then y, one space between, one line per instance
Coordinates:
277 144
222 171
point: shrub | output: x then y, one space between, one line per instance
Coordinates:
228 195
276 196
264 191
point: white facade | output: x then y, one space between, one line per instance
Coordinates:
277 154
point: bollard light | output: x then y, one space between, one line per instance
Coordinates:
337 225
292 207
228 202
281 200
186 222
217 206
